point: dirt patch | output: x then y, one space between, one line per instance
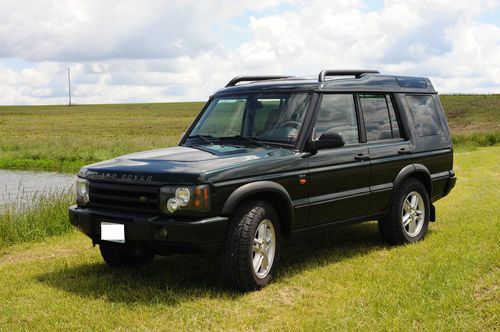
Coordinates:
488 289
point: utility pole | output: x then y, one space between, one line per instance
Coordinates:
69 88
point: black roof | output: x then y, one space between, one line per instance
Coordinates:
363 80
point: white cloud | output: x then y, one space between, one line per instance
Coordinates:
164 51
86 30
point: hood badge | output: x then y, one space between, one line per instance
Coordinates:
115 176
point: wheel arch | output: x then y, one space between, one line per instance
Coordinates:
418 171
269 191
422 174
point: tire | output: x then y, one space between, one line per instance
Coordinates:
116 256
407 220
253 237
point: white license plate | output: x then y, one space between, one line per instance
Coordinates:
112 232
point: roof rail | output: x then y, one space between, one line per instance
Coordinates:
238 79
356 72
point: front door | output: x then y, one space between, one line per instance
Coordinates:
339 178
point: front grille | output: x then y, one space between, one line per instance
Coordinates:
143 199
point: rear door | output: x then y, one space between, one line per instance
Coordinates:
339 178
389 150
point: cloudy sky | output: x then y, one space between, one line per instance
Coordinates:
183 50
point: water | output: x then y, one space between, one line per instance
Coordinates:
20 188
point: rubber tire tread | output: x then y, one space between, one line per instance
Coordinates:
237 266
390 227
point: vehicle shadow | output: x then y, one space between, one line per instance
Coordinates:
175 279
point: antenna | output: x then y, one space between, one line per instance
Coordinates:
69 88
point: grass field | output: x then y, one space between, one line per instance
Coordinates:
346 279
472 113
47 216
342 280
62 138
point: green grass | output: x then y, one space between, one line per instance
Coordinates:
476 139
340 280
472 113
62 138
474 119
48 216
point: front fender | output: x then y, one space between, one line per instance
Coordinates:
253 188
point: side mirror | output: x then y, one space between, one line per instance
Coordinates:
329 141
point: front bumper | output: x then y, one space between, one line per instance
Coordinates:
161 234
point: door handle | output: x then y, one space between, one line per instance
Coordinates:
404 151
361 157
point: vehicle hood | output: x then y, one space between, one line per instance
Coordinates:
181 164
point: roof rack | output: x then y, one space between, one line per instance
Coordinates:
356 72
238 79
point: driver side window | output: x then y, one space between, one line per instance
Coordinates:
337 114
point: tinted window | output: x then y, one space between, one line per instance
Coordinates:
425 116
225 118
337 114
394 119
273 117
380 118
264 115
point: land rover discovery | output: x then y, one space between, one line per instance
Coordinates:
269 157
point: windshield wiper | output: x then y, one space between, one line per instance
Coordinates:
250 139
205 138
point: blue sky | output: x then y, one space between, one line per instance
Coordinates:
181 50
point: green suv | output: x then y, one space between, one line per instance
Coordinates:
269 157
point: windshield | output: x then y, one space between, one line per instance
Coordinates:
265 117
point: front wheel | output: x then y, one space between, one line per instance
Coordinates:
252 247
408 217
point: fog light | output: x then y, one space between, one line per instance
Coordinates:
172 205
162 233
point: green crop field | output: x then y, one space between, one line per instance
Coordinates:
62 138
345 279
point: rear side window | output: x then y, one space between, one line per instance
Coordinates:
380 118
337 114
425 115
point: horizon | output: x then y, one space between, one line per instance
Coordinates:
198 101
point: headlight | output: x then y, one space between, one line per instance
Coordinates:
182 195
174 198
82 192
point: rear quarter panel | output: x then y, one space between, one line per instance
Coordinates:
434 152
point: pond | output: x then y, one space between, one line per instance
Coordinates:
20 188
